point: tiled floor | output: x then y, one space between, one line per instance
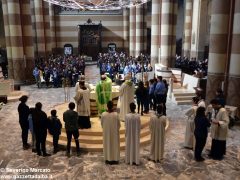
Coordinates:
178 162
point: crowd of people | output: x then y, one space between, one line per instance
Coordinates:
115 63
60 70
149 95
192 66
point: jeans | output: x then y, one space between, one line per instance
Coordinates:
24 127
75 134
41 142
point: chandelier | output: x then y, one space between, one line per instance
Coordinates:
97 4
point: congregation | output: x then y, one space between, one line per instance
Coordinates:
60 70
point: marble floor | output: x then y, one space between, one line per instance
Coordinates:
177 164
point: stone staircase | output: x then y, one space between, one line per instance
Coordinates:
183 96
91 140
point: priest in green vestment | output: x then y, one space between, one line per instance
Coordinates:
104 93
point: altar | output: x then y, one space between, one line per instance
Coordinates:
93 97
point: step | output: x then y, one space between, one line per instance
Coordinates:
99 139
183 98
99 132
144 141
97 147
175 94
186 102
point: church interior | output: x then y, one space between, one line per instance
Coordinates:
51 48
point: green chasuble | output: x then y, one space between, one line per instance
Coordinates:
104 94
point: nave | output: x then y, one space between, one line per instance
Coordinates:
178 162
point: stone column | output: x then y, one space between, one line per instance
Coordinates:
168 32
187 28
126 30
15 34
233 93
132 31
155 31
47 30
139 31
144 28
7 37
27 34
41 20
218 46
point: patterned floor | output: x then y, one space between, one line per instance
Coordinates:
178 162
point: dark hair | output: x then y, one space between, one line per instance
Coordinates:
82 83
200 112
140 84
71 106
53 112
110 105
195 99
215 101
38 106
132 106
31 110
160 78
23 99
159 108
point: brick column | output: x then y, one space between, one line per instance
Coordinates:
168 32
233 93
155 31
218 46
126 30
139 31
187 28
132 31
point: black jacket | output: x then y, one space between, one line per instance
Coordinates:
201 127
23 111
40 122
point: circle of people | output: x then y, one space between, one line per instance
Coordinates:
196 130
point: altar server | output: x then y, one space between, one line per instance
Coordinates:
189 133
111 139
132 135
157 128
126 96
82 99
219 130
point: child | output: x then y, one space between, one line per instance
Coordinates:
30 121
55 129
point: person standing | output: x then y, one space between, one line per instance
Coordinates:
126 96
151 95
160 91
132 135
55 129
189 133
30 122
70 117
165 97
157 128
111 139
200 132
36 74
104 93
40 126
219 130
141 93
82 99
23 111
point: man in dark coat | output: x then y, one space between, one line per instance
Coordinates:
23 111
40 126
